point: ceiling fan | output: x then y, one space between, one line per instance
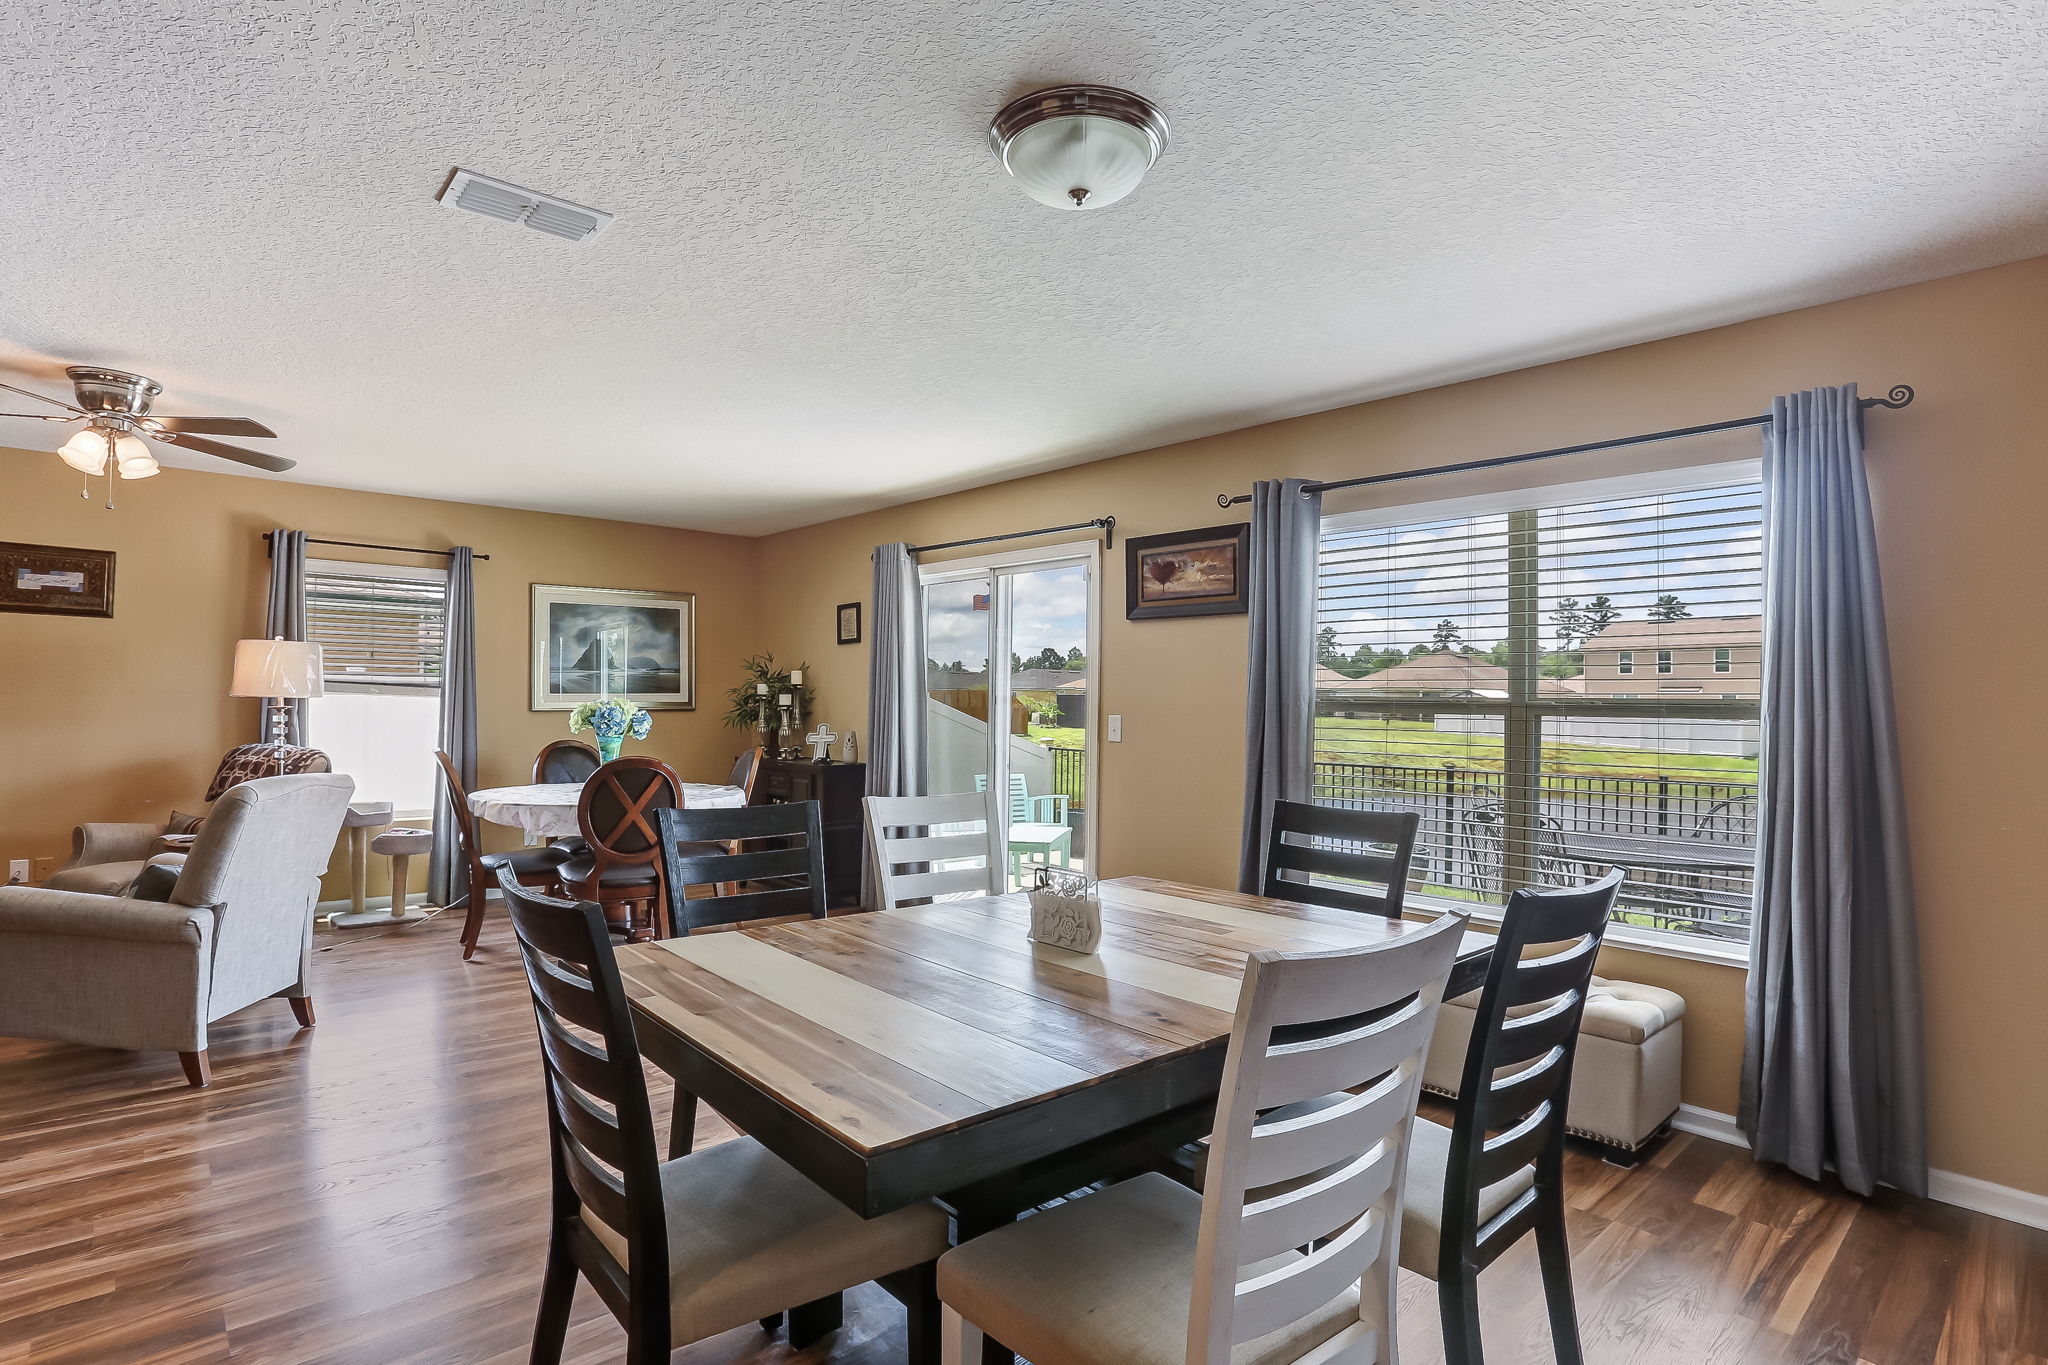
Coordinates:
114 406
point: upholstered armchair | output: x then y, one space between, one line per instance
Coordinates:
150 975
106 858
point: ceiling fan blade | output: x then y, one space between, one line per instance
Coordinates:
40 398
212 426
41 416
277 464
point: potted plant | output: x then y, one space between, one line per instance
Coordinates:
611 719
754 699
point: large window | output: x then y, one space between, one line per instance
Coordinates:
380 629
1477 664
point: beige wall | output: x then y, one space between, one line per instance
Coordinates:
124 719
1961 484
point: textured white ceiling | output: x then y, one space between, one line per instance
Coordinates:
822 295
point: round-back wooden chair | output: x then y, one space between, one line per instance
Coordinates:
529 866
565 760
620 867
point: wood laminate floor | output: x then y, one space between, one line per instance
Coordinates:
373 1192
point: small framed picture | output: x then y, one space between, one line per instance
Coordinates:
1187 573
849 623
54 581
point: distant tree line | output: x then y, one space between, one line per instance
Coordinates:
1572 622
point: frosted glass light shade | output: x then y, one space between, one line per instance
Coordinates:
85 452
1080 161
277 668
1078 146
133 459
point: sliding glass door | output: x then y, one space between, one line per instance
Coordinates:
1009 645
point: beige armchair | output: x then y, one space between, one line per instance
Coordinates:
106 858
110 971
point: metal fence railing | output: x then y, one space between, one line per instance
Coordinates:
1689 844
1070 775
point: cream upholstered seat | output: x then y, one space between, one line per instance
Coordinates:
1110 1277
749 1236
1625 1081
1147 1273
1422 1216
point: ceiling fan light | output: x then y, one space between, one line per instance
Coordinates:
133 459
1078 147
85 452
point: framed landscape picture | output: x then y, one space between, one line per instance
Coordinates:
54 581
1187 573
613 642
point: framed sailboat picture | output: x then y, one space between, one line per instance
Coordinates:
613 642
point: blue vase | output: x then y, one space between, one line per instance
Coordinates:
608 749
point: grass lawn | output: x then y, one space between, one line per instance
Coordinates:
1067 737
1415 743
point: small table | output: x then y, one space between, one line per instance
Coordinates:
548 810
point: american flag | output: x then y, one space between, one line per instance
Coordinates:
981 601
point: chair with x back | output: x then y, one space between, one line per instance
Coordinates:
1496 1174
620 866
680 1250
1293 1244
1340 858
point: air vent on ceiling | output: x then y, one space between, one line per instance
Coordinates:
509 203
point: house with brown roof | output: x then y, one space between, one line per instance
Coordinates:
1706 658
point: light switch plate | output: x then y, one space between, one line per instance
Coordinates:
17 872
1116 729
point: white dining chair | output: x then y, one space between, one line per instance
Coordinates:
1290 1255
924 847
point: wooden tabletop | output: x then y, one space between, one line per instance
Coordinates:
858 1046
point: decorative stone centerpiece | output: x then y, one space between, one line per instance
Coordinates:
1066 910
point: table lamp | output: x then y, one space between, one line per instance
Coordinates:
277 670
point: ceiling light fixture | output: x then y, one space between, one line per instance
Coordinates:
1078 146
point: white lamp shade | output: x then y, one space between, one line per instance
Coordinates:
1103 158
277 668
85 452
133 458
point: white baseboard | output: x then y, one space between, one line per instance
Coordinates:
414 901
1946 1187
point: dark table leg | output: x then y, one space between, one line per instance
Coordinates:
991 1205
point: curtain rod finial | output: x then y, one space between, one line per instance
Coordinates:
1899 397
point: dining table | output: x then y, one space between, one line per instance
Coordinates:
547 810
936 1052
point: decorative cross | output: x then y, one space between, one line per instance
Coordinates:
820 741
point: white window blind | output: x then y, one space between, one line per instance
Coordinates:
1485 669
380 628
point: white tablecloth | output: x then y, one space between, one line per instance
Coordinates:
548 811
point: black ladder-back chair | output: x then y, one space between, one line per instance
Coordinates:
598 1117
1307 841
1507 1124
695 852
602 1150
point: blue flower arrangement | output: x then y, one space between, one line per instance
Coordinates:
611 719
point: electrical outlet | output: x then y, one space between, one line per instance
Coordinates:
17 871
44 867
1116 729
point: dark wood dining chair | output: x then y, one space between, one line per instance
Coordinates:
696 847
565 760
746 771
684 1249
1497 1173
530 866
620 865
1368 850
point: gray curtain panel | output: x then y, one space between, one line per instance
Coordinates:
896 688
447 878
1280 698
1832 1067
286 620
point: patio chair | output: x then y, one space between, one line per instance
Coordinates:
1038 825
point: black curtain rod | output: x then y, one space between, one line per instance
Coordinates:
1901 395
1107 525
365 545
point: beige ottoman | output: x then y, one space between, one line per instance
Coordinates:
1625 1078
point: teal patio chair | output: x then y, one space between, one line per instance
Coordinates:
1038 826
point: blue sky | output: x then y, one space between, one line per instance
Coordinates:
1390 586
1049 607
